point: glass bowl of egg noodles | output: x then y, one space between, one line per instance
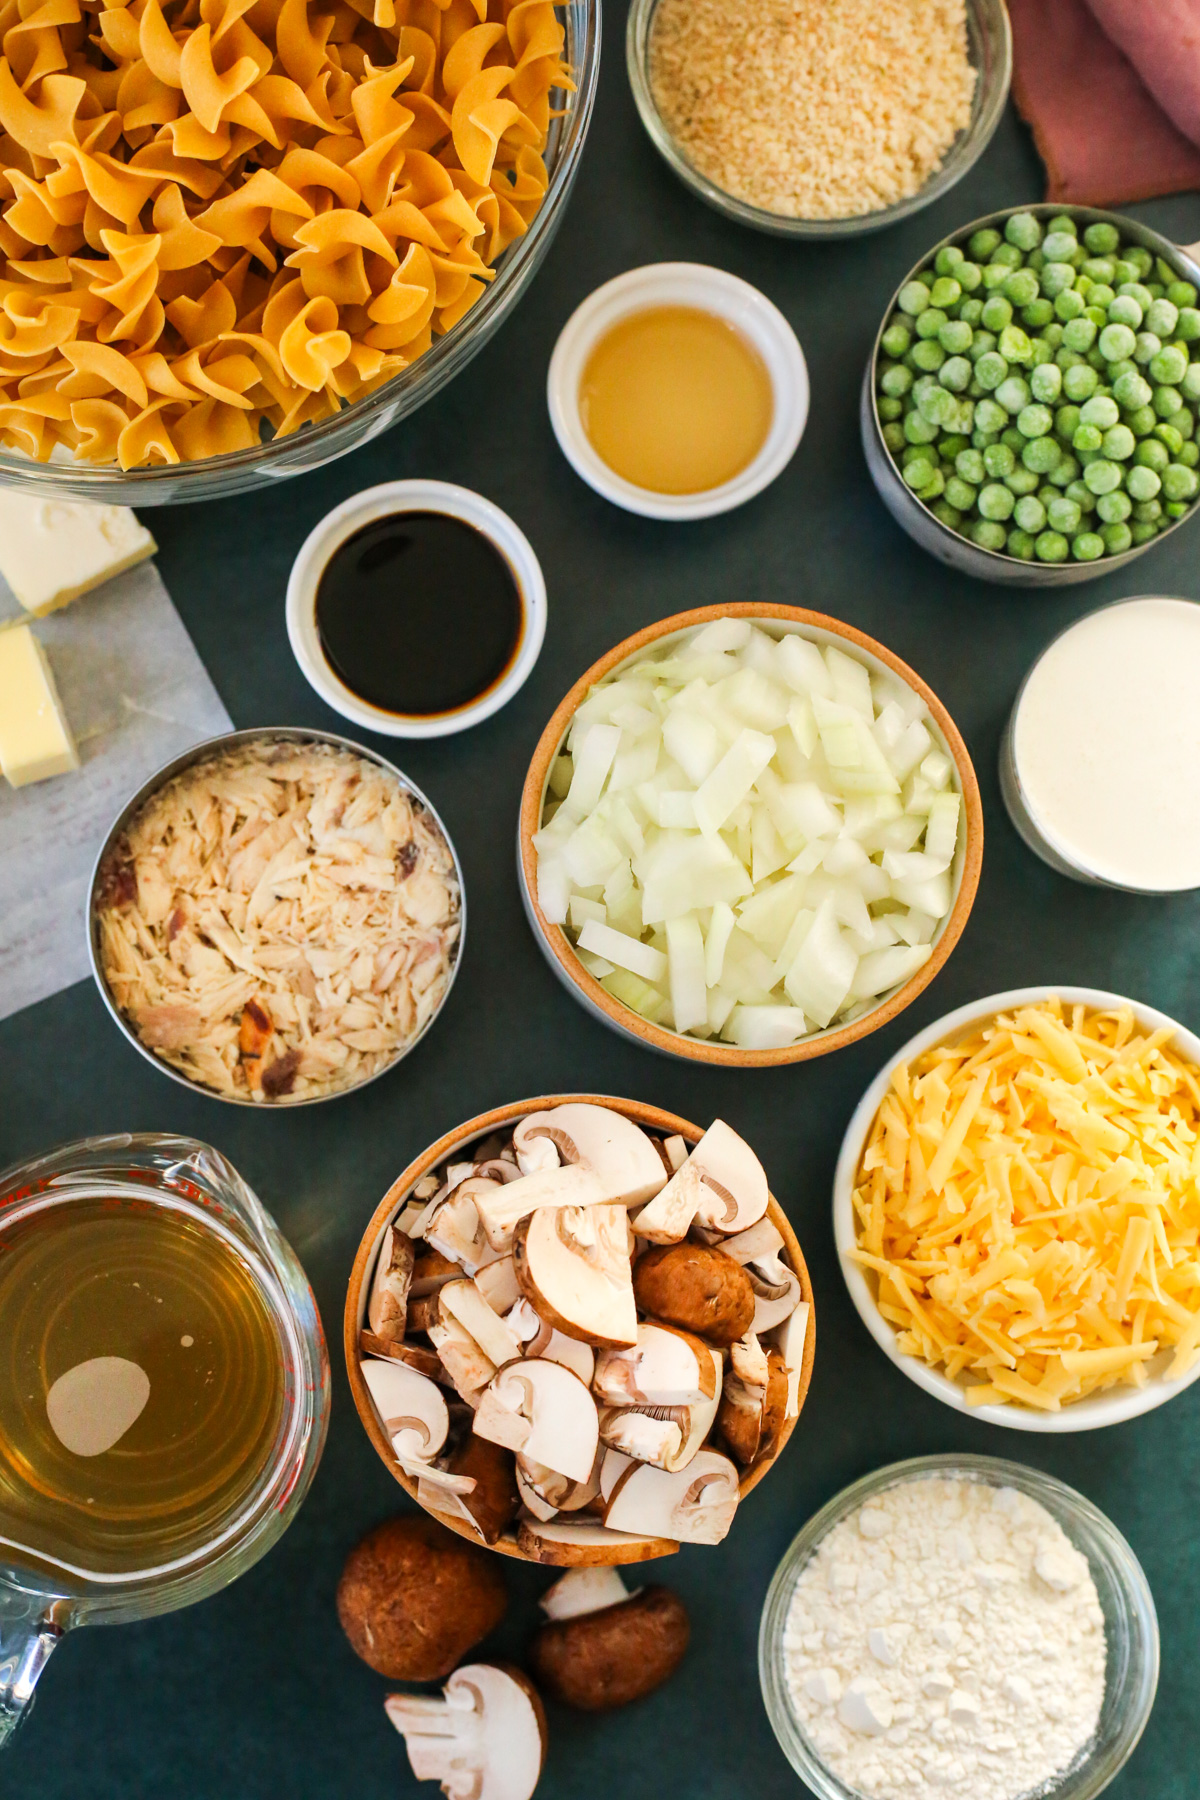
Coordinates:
1010 1256
988 51
1130 1621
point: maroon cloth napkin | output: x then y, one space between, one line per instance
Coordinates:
1096 81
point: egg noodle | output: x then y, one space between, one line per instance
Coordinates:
1029 1200
224 215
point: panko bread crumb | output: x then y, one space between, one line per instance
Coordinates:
813 109
279 921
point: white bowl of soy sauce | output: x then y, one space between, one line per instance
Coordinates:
416 608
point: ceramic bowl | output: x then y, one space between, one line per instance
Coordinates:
557 947
1114 1405
623 1550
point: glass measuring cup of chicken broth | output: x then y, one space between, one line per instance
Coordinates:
164 1389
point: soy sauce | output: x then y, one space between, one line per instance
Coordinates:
419 614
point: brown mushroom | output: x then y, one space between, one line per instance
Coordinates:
696 1287
751 1417
494 1502
606 1651
414 1598
425 1362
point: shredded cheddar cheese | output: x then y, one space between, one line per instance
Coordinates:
1029 1204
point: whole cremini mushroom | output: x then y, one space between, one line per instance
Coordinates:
696 1287
602 1646
483 1738
414 1598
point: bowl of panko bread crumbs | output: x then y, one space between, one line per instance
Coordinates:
276 917
819 118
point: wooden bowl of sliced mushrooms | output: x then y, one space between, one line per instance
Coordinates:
580 1330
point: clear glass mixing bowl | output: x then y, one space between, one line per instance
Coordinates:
356 425
1130 1621
989 46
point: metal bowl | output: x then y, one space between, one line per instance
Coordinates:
265 734
913 515
356 425
989 47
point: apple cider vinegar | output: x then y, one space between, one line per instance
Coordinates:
142 1382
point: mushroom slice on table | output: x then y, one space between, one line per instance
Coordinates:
578 1543
413 1411
667 1436
483 1738
539 1339
573 1267
790 1338
387 1304
776 1292
697 1288
721 1187
751 1416
582 1591
666 1367
544 1412
464 1301
695 1505
623 1157
602 1646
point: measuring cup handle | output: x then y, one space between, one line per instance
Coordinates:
27 1636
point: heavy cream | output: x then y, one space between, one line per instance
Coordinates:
1106 745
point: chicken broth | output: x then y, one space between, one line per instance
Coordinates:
142 1383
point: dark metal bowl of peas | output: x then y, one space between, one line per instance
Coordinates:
1029 411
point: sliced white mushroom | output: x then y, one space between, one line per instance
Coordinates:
573 1267
550 1489
582 1591
763 1239
666 1436
790 1338
464 1301
387 1304
502 1210
437 1497
570 1543
498 1284
415 1355
455 1228
534 1152
749 1361
409 1214
483 1739
469 1368
544 1411
412 1410
613 1466
539 1339
666 1367
776 1292
676 1152
531 1496
722 1186
694 1506
622 1155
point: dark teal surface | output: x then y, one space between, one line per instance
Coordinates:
255 1695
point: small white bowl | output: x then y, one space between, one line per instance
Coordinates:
381 502
1112 1407
709 290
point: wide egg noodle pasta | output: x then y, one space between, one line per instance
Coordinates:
221 220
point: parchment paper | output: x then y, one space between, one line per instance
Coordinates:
136 694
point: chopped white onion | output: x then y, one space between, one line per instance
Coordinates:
750 836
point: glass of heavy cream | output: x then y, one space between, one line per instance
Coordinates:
1099 759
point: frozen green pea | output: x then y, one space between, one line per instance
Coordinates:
1056 279
1152 453
1102 476
1029 514
1023 230
930 322
982 243
949 515
938 405
945 291
1189 456
1179 482
947 259
1014 345
1098 316
1095 357
1119 443
990 416
1169 366
893 436
896 339
1023 481
1142 420
994 276
960 493
1141 534
1052 547
1080 333
987 534
1083 286
1183 421
981 439
1068 305
981 343
1124 270
1059 246
918 473
1087 547
913 298
1148 511
971 312
1167 400
1012 437
1181 294
890 411
1083 497
999 461
1099 268
1189 387
1087 437
991 370
955 337
968 465
1116 342
919 430
1162 318
1020 544
1066 421
1164 271
952 445
1101 238
1101 298
1065 471
1117 537
1045 383
1080 382
1013 394
955 374
1188 327
1132 390
1141 259
1175 509
1052 337
1146 348
928 354
896 380
1064 222
1034 420
1008 254
926 277
1114 507
1040 353
1037 314
968 275
997 313
1136 290
1124 310
934 486
1100 410
1021 287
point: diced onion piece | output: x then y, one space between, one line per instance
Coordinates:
719 927
626 952
802 666
685 959
582 909
880 970
941 834
593 758
764 1027
851 681
553 889
725 789
819 979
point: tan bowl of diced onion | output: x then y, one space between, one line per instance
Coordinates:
590 977
595 1545
1110 1404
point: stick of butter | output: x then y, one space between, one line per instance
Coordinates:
51 551
35 739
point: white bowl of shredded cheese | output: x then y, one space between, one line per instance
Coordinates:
1033 1328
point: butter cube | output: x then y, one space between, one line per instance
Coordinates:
35 739
51 551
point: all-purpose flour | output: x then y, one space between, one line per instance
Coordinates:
946 1637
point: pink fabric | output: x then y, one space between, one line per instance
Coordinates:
1161 38
1102 135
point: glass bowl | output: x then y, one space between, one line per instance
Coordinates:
989 46
241 470
1130 1621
